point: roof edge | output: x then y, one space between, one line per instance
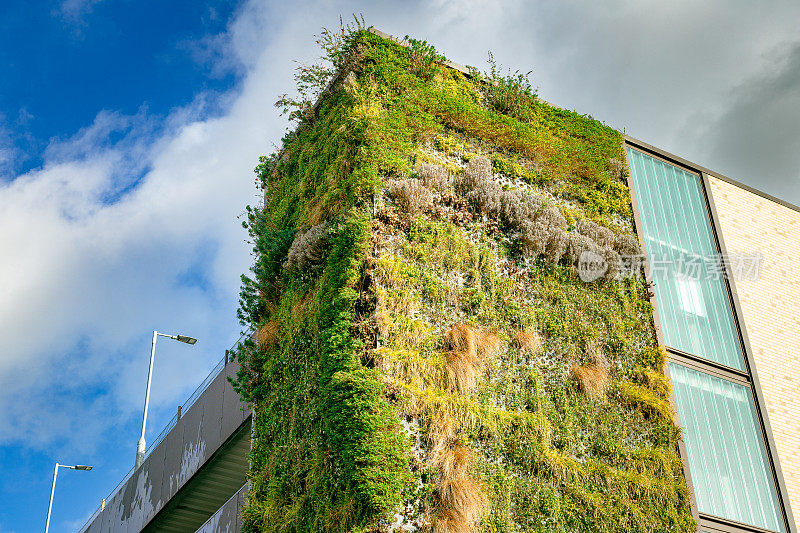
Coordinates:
712 173
402 42
464 70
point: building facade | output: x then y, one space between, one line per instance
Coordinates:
723 271
724 261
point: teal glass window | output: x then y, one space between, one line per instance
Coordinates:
689 287
725 450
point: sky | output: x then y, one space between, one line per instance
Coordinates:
129 131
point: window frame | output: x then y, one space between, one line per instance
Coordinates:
748 377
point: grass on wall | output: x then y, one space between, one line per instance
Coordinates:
414 364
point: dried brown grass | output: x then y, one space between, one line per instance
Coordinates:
489 344
452 461
470 348
463 369
483 343
267 334
300 306
441 432
592 376
592 379
595 355
528 339
460 337
462 502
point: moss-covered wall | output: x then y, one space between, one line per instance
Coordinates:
426 355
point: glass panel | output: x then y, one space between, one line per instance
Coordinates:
725 452
690 293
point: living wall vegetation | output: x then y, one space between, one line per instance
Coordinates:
427 356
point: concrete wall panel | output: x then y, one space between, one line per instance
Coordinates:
242 502
126 513
212 413
225 520
194 452
142 492
96 526
155 470
173 451
233 414
105 520
146 489
113 512
208 423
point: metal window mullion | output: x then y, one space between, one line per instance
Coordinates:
712 309
671 297
686 248
709 367
739 449
718 524
760 461
730 324
710 486
737 330
635 203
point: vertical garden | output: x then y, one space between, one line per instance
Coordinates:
429 351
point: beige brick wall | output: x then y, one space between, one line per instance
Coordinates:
771 308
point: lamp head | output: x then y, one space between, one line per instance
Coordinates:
82 467
184 338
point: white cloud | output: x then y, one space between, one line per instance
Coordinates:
74 10
90 268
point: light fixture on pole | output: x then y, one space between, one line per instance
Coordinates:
53 489
140 446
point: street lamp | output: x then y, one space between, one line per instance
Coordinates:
53 490
140 446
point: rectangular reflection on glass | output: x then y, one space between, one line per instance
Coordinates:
725 451
690 292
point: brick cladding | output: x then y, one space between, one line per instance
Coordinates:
771 308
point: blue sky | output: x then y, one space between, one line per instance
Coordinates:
94 97
84 56
128 134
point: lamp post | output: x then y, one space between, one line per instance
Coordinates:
140 446
53 489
